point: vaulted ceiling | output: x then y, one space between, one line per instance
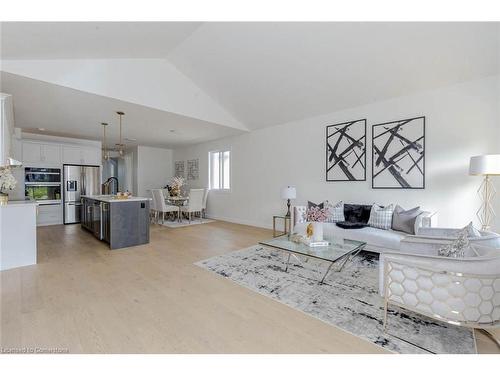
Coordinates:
216 79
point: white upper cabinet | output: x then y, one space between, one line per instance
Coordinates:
72 155
51 154
32 153
41 154
81 155
92 156
38 153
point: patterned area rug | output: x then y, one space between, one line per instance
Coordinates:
348 300
185 223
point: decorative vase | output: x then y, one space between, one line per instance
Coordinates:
317 228
4 198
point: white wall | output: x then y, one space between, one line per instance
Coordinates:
154 169
461 121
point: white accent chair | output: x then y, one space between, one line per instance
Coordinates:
195 204
459 291
161 206
204 205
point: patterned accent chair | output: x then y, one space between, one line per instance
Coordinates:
460 291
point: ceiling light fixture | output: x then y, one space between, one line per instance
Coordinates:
105 153
121 146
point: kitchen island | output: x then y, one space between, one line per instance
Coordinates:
119 222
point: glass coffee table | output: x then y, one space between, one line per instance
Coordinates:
339 250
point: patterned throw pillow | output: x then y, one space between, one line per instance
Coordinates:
471 231
299 214
456 249
335 212
312 204
381 217
317 214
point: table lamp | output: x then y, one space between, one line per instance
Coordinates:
288 193
485 165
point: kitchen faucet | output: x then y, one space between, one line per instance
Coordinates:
106 186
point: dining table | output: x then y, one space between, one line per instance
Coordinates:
178 201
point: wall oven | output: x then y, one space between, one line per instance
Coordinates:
43 185
44 194
34 176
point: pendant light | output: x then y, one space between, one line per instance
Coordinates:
121 146
105 155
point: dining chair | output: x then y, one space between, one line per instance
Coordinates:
153 213
195 203
204 204
161 206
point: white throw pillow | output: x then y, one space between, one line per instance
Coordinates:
335 212
381 217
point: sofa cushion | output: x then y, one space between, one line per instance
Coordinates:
381 217
404 220
335 212
358 213
376 239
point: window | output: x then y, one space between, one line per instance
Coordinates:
219 170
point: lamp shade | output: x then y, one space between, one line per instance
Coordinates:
288 192
485 165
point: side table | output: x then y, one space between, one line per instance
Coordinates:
287 225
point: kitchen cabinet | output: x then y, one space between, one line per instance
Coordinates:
49 214
18 234
41 154
81 155
91 156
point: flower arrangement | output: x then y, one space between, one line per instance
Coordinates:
7 182
317 214
176 185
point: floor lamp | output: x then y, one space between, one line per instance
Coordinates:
485 165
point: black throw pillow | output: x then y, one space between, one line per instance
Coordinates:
351 225
357 213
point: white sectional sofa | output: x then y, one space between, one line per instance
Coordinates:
377 240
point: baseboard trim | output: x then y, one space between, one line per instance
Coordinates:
240 221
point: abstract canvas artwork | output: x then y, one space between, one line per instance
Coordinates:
193 171
179 168
346 151
398 157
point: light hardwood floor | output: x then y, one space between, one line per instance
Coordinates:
152 299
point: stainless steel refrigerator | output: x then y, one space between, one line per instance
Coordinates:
78 180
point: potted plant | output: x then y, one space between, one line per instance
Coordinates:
7 182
